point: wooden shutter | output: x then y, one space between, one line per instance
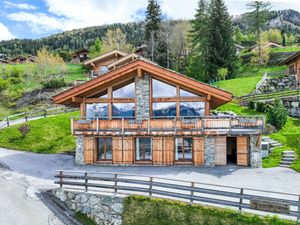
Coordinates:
117 144
220 151
128 148
169 146
157 150
242 151
198 151
89 148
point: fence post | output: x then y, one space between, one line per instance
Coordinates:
230 124
45 113
241 199
298 217
116 184
85 182
123 125
97 125
7 121
192 193
202 125
150 186
148 125
60 178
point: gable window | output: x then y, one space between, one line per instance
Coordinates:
192 109
162 90
96 110
143 149
164 109
104 149
184 149
125 110
127 91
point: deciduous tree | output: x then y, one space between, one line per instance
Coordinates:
116 40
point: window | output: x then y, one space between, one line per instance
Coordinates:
161 89
123 110
184 149
127 91
104 149
96 110
164 109
184 93
103 70
291 70
143 149
103 95
192 108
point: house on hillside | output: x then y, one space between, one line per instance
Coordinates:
270 44
80 55
238 48
23 59
3 61
141 113
293 63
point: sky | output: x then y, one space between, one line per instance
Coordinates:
41 18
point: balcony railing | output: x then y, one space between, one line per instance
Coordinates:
210 125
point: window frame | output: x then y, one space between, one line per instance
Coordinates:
192 149
143 161
105 148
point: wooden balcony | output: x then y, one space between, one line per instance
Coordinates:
192 126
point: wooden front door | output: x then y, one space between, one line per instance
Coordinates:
220 151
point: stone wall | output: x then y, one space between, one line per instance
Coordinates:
103 209
278 84
209 151
142 97
79 156
255 152
292 104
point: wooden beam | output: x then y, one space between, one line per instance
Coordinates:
77 100
177 101
109 94
183 99
139 72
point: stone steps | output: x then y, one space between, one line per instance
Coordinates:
288 158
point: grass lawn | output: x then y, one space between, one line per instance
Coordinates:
48 135
289 136
286 49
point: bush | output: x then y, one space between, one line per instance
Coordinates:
251 105
3 85
24 130
261 107
277 115
54 83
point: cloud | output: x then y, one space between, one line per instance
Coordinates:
5 34
22 6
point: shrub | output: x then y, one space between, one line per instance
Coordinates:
3 85
261 107
24 130
251 105
277 115
54 83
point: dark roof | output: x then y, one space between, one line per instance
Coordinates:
289 59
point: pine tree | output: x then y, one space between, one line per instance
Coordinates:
196 67
220 50
153 19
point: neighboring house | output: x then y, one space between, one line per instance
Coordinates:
99 65
141 113
293 63
3 61
23 59
80 55
238 48
141 50
270 45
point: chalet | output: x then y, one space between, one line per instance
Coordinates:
293 63
3 61
80 55
143 114
238 48
19 60
99 65
270 44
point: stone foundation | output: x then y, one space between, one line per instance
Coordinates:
103 209
79 157
255 152
209 151
278 84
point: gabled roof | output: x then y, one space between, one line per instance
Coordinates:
105 56
239 46
4 61
218 96
289 59
126 59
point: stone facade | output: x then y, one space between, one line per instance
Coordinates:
255 152
209 151
79 157
103 209
142 97
278 84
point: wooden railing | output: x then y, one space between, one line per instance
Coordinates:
169 125
242 199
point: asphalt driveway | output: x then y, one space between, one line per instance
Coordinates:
40 169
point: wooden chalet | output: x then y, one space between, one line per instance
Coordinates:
3 61
19 60
80 55
270 44
293 63
140 113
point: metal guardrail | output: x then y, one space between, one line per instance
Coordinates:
25 116
242 199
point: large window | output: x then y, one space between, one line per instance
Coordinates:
162 90
96 110
143 149
104 149
164 109
184 93
192 109
127 91
123 110
184 149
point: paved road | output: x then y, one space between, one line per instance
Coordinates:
43 167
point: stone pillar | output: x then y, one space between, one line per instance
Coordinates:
142 93
209 151
79 156
255 152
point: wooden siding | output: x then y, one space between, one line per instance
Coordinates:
89 149
123 150
157 150
117 144
242 151
169 149
220 151
163 149
198 151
